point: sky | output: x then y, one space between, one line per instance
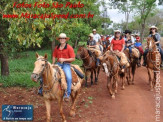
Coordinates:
118 17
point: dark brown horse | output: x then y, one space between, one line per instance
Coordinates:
153 62
131 70
89 63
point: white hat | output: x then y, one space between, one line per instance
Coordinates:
115 31
62 35
153 27
91 35
94 29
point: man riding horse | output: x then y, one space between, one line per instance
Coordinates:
157 38
91 44
65 55
117 46
129 40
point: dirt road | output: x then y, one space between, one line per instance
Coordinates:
134 104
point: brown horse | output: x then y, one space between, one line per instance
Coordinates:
131 70
89 63
122 75
111 68
53 77
153 62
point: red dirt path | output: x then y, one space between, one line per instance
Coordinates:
134 104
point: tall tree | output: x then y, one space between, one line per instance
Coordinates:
144 8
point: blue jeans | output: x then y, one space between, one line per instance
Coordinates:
67 70
130 49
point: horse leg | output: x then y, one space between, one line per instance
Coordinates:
98 71
95 73
133 73
74 98
91 77
115 84
48 106
150 80
154 80
60 101
109 85
123 82
127 76
86 78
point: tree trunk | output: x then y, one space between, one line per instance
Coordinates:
142 32
4 65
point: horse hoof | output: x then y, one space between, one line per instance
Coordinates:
151 89
113 96
64 121
72 113
123 88
133 83
116 91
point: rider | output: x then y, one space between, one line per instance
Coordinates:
156 36
138 45
118 45
91 43
65 55
129 41
104 42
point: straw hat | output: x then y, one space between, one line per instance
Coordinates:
63 35
91 35
153 27
115 31
94 30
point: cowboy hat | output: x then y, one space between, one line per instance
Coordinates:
63 35
153 27
91 35
115 31
94 30
127 31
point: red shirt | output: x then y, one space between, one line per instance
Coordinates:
66 52
118 44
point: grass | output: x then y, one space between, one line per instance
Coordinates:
22 67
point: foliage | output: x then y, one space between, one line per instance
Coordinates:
22 67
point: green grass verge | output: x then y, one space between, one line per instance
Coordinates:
22 67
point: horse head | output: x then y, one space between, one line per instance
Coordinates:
40 65
81 52
151 44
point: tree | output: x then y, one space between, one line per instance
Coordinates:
144 8
31 32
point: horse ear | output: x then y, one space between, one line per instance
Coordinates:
83 45
37 55
46 56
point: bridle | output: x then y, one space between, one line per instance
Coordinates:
41 73
81 53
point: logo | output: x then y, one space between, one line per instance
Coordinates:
17 112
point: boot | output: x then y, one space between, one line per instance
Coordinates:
144 64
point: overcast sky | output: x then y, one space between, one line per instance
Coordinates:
118 17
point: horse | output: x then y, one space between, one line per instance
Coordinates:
153 61
122 75
111 68
53 85
89 63
132 68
